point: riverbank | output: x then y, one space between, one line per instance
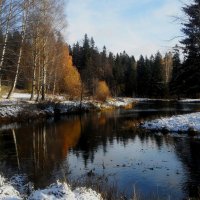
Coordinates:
19 108
187 123
17 189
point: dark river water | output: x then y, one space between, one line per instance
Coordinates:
107 144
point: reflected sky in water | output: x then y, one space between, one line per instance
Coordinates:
107 143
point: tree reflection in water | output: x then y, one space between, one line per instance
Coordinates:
39 150
109 142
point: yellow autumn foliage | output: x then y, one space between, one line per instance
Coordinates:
72 79
102 91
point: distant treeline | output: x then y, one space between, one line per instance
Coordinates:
35 57
154 77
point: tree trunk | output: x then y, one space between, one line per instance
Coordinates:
43 79
20 51
81 99
54 83
35 56
16 74
5 40
34 76
33 83
38 81
16 148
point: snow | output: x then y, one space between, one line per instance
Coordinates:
86 105
120 102
7 191
181 101
17 97
142 99
20 105
10 111
17 189
150 100
178 123
62 191
189 100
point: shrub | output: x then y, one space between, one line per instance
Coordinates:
72 81
102 91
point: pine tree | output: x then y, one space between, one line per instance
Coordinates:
143 76
157 82
131 82
191 70
176 82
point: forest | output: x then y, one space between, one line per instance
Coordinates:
35 57
78 121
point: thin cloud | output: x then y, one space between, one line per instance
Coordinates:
139 27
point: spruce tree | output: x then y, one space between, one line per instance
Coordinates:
130 80
143 76
157 82
191 70
176 82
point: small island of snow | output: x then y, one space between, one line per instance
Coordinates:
177 123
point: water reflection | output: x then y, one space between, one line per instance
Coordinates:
39 150
189 154
107 143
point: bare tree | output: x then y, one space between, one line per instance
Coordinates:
26 6
8 19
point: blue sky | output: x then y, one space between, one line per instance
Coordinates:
136 26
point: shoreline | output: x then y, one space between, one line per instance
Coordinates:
179 124
18 188
21 111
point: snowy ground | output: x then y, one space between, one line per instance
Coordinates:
181 101
27 96
20 104
120 102
17 189
17 97
178 123
189 100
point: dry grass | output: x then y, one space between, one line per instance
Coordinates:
5 90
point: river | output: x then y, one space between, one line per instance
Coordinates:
106 144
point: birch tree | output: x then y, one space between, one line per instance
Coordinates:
8 24
25 8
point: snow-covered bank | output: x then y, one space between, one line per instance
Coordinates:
150 100
14 190
8 190
62 191
17 97
19 108
168 100
189 100
178 123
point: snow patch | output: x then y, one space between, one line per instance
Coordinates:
120 102
7 191
63 192
190 100
10 111
178 123
17 189
150 100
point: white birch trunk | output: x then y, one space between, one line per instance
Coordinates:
5 39
24 23
16 148
44 71
34 71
